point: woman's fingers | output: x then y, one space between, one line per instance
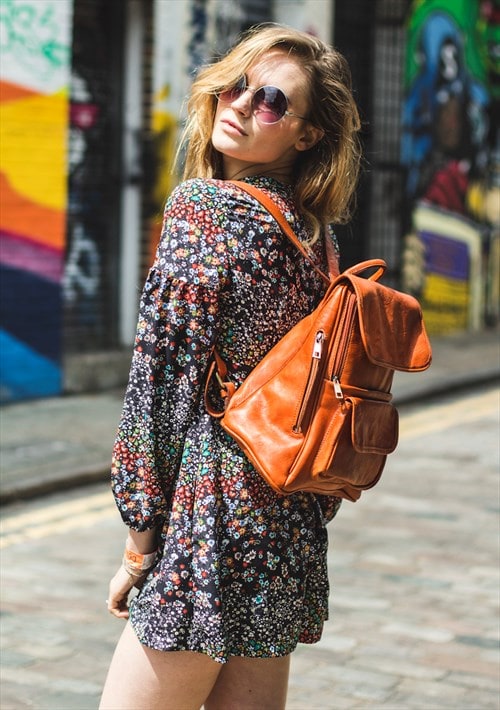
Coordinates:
119 589
118 607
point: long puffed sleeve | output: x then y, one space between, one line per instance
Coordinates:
176 330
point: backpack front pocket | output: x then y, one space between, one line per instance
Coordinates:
355 445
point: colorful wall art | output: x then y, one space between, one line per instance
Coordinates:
34 78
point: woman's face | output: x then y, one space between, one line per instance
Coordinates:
249 147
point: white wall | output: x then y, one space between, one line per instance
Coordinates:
313 16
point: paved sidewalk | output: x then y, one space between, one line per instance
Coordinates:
52 444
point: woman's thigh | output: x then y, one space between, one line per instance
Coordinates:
251 684
141 678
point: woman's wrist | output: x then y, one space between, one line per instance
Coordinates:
135 579
136 563
139 557
142 543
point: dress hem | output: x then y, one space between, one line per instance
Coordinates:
223 658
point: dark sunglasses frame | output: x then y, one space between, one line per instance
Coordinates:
266 100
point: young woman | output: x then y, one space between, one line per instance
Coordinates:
231 575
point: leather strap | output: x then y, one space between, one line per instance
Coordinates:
280 218
358 269
218 369
217 366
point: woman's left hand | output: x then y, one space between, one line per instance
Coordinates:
119 589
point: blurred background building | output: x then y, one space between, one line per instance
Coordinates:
91 104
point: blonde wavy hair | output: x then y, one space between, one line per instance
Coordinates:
326 175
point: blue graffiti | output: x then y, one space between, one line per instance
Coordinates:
25 373
445 112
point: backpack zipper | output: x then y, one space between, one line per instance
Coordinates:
341 347
314 368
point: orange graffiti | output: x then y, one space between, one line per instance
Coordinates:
22 216
14 92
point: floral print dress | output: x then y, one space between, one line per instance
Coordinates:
242 570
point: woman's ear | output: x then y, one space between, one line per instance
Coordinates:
309 137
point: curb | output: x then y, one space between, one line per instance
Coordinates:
56 484
451 386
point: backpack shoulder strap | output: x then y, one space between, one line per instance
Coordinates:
280 218
217 367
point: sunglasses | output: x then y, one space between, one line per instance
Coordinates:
269 104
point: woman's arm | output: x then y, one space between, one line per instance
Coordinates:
177 326
142 543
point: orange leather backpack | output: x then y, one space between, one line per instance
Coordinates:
315 414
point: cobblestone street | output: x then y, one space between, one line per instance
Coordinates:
413 566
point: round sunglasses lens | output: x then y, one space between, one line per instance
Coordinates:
227 96
269 104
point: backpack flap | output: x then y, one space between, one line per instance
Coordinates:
392 327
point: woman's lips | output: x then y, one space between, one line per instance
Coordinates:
233 127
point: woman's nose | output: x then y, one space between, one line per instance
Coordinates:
243 103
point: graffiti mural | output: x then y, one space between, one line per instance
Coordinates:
34 77
450 149
445 119
93 178
83 261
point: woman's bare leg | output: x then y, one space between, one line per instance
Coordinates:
141 678
251 684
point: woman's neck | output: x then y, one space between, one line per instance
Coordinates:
282 173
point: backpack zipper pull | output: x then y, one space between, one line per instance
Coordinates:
318 345
338 389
